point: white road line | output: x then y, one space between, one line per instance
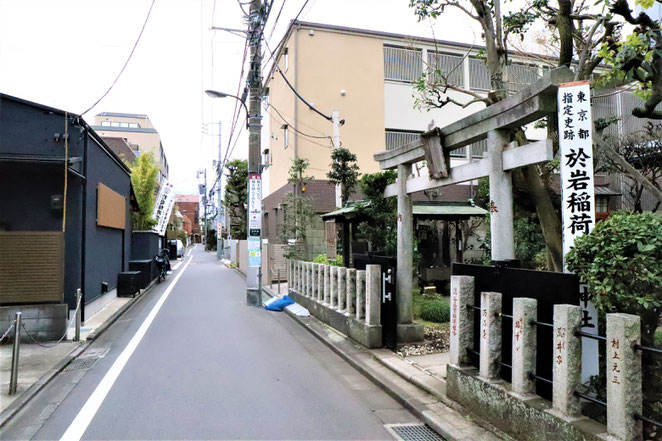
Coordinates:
86 414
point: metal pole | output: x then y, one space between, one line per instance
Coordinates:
254 272
14 358
220 190
78 316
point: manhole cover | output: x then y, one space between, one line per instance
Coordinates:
413 432
81 364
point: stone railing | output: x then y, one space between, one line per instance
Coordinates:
344 298
514 407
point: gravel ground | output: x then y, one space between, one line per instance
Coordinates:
436 341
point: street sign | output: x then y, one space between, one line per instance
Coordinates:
254 252
254 203
578 193
254 220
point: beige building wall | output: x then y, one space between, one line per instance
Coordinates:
148 141
340 62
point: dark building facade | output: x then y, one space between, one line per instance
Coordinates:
42 258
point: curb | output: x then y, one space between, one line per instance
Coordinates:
411 404
113 318
37 386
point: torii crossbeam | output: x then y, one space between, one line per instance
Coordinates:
531 104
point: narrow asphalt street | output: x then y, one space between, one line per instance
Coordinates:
207 367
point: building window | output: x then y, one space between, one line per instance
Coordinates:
286 60
134 125
478 148
286 136
602 204
519 76
105 123
398 138
459 153
450 66
479 75
125 125
401 64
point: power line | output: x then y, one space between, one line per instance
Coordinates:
282 39
294 128
309 140
298 95
126 63
276 21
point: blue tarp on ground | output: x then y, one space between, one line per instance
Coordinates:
277 304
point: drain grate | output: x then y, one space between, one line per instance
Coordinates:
414 432
81 364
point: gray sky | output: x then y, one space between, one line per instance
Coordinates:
66 53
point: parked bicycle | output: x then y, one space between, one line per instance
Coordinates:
162 264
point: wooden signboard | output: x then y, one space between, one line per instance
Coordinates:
111 208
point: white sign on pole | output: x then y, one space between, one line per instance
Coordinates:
254 220
578 193
165 201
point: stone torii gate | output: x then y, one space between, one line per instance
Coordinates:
531 104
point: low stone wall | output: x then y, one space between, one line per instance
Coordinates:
514 407
526 418
344 298
44 322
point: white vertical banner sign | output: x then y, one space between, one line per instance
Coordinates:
254 244
578 193
165 201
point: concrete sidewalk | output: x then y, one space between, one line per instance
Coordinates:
417 382
38 364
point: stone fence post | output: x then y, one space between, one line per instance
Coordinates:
525 311
567 360
306 279
315 280
462 319
327 288
373 304
624 392
309 271
360 294
342 288
320 282
333 286
490 335
351 292
299 266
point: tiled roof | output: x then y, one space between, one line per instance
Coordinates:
120 147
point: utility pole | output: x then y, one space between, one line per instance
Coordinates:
335 140
204 208
254 233
219 188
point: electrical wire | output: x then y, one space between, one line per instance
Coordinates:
310 141
282 39
298 95
126 63
271 34
294 128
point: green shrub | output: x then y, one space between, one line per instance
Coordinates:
321 258
435 311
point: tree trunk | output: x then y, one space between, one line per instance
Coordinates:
566 27
547 216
